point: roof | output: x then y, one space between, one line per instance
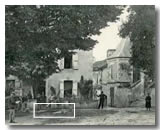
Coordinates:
99 64
123 49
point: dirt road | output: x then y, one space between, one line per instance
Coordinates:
107 116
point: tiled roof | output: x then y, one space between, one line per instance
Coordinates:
99 64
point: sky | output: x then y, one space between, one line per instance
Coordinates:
109 38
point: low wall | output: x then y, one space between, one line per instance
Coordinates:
122 97
137 92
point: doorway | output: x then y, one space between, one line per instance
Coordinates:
68 85
112 96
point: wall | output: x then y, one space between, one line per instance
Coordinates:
123 74
106 90
84 67
121 95
96 77
109 74
137 92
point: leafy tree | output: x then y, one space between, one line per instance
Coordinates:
38 36
140 27
86 87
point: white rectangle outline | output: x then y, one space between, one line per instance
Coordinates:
52 117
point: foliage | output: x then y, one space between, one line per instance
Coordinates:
140 27
38 36
86 87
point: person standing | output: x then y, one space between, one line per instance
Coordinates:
148 102
103 97
12 103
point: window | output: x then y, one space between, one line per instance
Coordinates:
68 62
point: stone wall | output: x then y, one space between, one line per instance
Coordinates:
122 97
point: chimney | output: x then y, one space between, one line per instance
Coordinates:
110 52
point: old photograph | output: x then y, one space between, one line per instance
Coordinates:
80 65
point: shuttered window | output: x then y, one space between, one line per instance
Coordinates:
75 87
75 61
61 89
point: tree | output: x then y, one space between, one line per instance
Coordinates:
38 36
86 87
140 27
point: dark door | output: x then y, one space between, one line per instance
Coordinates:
112 96
68 85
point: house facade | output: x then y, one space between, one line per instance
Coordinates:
19 87
13 84
65 82
118 75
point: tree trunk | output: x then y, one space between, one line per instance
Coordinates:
35 88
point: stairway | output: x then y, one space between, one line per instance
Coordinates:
137 95
138 102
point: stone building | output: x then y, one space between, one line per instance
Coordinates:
13 84
117 76
65 82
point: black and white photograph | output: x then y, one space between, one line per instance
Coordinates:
80 65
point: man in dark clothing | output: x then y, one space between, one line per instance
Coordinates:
102 98
148 102
12 103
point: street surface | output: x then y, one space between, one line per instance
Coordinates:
107 116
